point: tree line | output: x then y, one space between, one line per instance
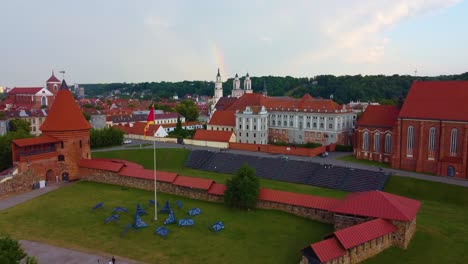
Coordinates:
343 88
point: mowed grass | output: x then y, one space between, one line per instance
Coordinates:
173 160
442 223
351 158
64 218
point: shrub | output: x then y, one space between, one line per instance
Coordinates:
242 189
344 148
11 252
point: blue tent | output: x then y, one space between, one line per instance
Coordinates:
162 231
194 211
151 202
99 205
119 209
166 209
179 204
138 222
140 210
126 228
170 219
186 222
217 226
113 217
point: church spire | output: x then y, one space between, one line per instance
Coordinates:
219 75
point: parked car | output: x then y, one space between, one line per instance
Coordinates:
127 141
324 154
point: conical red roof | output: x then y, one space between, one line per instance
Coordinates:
65 115
53 79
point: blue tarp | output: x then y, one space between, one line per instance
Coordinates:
99 205
166 209
194 211
119 209
140 210
186 222
170 219
113 217
217 226
126 228
162 231
179 204
138 222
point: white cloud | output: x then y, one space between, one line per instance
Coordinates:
266 39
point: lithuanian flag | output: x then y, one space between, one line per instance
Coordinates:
150 120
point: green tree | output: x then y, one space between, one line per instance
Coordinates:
19 124
188 109
12 253
105 137
242 189
5 147
86 116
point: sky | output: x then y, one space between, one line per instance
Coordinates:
97 41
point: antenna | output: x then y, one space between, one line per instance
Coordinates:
63 74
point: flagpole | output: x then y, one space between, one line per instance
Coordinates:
154 174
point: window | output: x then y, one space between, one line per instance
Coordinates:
377 142
81 144
255 127
453 142
255 134
315 125
388 143
365 141
61 144
330 126
285 123
321 125
43 100
273 122
410 142
61 158
291 123
431 145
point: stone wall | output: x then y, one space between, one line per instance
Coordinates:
311 213
18 183
367 250
344 221
404 234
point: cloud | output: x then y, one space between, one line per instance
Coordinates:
156 22
266 39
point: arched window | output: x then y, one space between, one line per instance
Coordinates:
55 87
453 142
388 143
377 142
43 100
431 145
365 141
410 142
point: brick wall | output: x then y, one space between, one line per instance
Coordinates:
308 152
344 221
404 234
311 213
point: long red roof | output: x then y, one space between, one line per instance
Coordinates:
379 116
25 90
223 118
304 200
328 249
44 139
378 204
437 100
196 183
100 165
65 115
361 233
53 79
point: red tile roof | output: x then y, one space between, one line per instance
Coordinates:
217 189
213 135
197 183
361 233
328 249
53 79
225 102
298 199
378 204
223 118
379 116
65 115
44 139
437 100
249 99
305 103
161 176
25 90
100 165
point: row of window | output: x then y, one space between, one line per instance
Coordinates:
388 142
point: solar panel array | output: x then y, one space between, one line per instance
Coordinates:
281 169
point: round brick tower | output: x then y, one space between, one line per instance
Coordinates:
66 122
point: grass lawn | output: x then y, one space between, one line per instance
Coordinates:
139 145
351 158
64 218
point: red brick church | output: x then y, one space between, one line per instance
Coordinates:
54 156
428 134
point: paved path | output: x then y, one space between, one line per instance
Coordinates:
52 254
331 159
23 197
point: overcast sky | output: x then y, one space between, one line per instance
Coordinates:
136 41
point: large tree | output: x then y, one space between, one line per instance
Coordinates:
188 109
19 124
242 189
5 146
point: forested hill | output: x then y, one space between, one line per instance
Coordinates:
343 88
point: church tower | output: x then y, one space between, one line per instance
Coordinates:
247 84
53 84
218 91
236 90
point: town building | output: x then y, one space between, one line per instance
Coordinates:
429 134
35 117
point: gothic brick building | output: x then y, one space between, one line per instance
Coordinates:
429 135
54 156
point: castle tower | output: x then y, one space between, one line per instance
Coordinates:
66 123
218 91
236 90
53 84
247 84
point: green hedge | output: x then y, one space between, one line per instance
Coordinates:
106 137
344 148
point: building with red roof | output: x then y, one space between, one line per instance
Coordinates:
222 120
373 133
56 154
213 135
429 134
